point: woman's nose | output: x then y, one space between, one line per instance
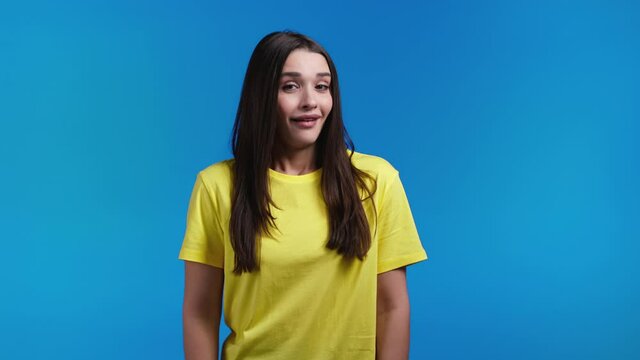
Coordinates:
308 97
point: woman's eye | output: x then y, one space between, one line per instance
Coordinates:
290 86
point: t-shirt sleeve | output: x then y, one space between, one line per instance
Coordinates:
203 237
398 240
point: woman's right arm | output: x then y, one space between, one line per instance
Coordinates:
201 310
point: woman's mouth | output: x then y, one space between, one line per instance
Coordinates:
304 123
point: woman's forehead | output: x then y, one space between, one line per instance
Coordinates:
305 63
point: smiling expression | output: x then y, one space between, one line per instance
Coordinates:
304 90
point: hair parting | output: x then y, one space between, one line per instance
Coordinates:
344 187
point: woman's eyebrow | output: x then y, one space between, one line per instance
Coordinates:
297 74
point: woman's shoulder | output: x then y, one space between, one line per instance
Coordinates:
374 164
218 174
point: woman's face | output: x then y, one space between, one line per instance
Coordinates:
303 92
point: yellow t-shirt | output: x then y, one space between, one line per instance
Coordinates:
304 302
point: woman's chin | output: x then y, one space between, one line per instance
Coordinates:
302 143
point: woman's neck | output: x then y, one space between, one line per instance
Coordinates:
298 162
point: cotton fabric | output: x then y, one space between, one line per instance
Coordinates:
305 302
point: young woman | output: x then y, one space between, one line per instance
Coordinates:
308 238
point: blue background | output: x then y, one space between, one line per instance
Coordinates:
514 124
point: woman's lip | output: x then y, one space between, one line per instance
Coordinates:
310 117
309 124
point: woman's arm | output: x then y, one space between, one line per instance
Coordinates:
392 329
201 310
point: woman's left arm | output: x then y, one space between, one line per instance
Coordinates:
392 329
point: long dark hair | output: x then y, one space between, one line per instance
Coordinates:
253 140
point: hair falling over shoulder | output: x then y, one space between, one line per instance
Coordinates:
254 131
